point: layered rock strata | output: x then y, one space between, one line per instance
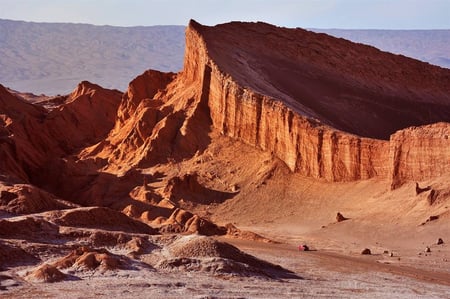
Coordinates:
328 90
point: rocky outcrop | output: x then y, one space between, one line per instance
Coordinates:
186 222
20 147
189 188
28 199
159 119
325 113
305 145
85 118
46 273
324 106
419 153
340 83
275 101
105 218
32 137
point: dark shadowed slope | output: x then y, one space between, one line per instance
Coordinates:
432 46
352 87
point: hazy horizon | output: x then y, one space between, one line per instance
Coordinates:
322 14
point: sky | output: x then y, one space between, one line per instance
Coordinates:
344 14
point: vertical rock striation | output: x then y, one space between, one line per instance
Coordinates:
419 153
244 105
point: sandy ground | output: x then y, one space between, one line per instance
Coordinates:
291 210
321 274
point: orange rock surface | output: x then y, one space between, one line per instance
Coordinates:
326 107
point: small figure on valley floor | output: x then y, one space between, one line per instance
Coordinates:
340 217
420 190
303 247
427 249
366 251
440 241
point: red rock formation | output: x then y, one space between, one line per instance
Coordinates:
85 258
419 153
156 120
105 218
33 137
28 199
184 221
188 188
46 273
340 83
322 105
85 118
18 119
276 97
294 100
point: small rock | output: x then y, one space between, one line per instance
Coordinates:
340 217
427 249
440 241
391 254
385 252
433 218
366 251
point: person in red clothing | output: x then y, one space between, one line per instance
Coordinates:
303 247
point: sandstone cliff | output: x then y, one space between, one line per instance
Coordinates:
324 106
419 153
287 91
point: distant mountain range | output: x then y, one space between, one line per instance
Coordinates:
51 58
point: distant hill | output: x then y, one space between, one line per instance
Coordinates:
432 46
52 58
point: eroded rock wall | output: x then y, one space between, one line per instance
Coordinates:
419 153
306 145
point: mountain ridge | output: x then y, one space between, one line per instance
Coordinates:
49 59
99 180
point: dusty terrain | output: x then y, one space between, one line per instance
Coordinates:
204 183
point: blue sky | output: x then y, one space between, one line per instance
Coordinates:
363 14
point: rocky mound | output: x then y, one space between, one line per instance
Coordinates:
104 218
11 255
34 138
28 199
46 273
183 221
195 246
27 228
85 258
189 188
195 253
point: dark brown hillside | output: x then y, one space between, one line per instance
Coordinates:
349 86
